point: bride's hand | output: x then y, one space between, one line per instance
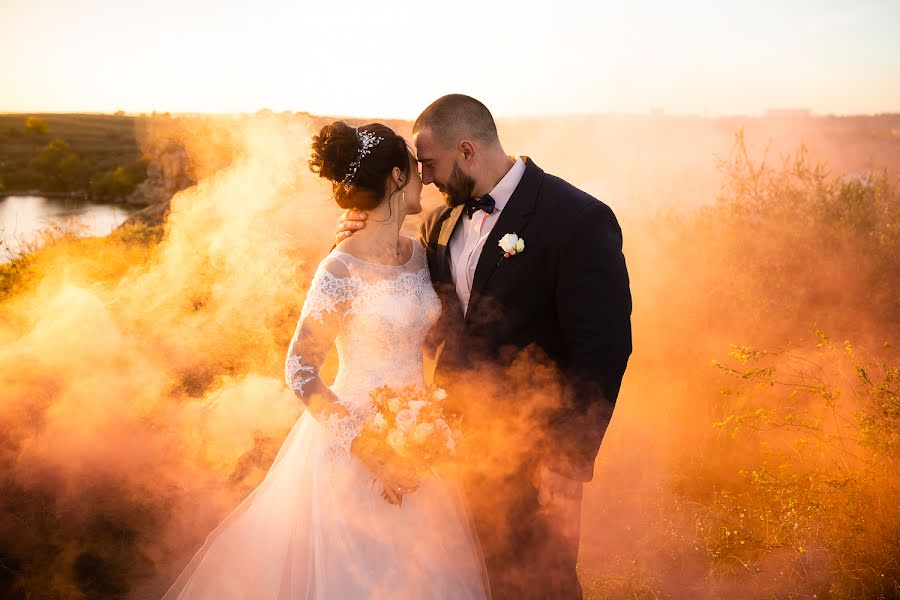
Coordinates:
391 494
396 482
351 220
400 480
396 485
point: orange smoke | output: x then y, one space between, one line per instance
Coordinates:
142 393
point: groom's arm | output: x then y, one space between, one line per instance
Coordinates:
594 311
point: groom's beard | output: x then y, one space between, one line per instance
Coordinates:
459 187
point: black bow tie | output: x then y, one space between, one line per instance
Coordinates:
485 203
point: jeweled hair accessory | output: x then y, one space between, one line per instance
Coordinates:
367 141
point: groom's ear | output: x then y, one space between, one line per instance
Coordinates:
467 148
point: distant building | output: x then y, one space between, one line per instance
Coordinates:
791 113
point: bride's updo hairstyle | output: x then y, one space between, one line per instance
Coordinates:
338 146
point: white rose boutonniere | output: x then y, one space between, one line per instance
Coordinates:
511 244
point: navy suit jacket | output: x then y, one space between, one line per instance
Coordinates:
565 299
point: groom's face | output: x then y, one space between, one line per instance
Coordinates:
440 166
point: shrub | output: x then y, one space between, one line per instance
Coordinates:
782 246
809 499
36 126
61 170
794 492
118 183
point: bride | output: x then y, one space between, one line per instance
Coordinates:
328 521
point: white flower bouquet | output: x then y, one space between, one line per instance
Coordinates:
410 427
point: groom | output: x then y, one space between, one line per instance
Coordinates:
560 299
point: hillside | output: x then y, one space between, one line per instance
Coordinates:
647 161
95 146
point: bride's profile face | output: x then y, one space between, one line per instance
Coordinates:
413 189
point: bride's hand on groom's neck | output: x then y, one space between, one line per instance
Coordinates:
351 220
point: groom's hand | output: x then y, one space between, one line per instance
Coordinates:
560 506
351 220
554 487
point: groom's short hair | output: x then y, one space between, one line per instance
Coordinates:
455 117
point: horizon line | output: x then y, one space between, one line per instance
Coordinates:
770 113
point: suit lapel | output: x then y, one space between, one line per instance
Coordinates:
447 228
513 219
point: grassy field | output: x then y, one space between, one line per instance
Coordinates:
103 142
110 139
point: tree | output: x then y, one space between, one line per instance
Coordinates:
49 158
73 173
113 185
60 168
36 126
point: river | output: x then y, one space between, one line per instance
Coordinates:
23 217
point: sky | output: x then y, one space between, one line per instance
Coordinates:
391 58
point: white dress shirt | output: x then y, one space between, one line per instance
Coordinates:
469 237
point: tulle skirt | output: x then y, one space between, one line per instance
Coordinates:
316 528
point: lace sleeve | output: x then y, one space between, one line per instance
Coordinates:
330 295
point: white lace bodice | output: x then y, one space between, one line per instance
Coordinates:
376 315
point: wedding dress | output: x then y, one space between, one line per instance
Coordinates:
317 527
